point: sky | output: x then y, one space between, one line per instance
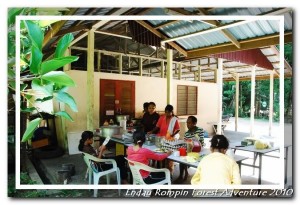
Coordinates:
121 3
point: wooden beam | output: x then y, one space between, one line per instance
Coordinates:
263 77
113 34
162 36
231 38
286 64
226 33
56 27
245 44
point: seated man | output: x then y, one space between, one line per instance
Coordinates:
194 137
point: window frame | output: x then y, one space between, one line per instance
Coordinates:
186 100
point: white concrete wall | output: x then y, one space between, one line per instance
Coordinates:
146 89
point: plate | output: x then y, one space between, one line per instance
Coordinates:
159 151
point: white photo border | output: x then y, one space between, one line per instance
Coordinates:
166 17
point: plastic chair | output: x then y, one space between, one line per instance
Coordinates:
135 168
96 175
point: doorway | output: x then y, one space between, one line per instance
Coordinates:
116 97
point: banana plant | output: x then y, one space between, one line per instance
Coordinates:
36 74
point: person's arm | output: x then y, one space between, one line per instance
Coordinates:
101 149
157 127
236 177
152 155
197 176
155 130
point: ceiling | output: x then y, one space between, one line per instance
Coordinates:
196 44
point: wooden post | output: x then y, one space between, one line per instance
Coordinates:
199 71
120 64
271 102
220 92
237 94
90 81
162 69
252 109
169 75
140 66
99 62
179 71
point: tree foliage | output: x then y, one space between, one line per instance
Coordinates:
38 76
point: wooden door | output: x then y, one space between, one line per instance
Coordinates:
115 96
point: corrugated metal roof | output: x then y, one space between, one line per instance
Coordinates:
254 29
212 38
240 11
179 28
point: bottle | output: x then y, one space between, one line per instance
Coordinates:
123 123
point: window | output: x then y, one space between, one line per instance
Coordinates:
186 100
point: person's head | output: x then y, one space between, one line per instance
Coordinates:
145 106
86 138
138 138
191 122
219 143
169 110
151 108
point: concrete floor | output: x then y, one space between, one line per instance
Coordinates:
270 165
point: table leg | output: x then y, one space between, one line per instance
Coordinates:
254 160
286 164
259 169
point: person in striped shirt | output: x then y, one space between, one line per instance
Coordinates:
195 137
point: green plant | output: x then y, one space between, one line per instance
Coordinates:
38 75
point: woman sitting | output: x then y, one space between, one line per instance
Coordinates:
85 145
217 168
143 155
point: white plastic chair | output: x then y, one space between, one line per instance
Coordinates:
96 175
135 168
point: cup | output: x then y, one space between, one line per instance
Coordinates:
189 146
182 151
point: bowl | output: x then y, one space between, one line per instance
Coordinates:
109 131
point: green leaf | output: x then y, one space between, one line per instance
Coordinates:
44 23
56 63
11 73
65 115
62 45
32 125
12 84
44 99
59 77
36 59
12 13
23 86
35 33
45 86
67 99
28 109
